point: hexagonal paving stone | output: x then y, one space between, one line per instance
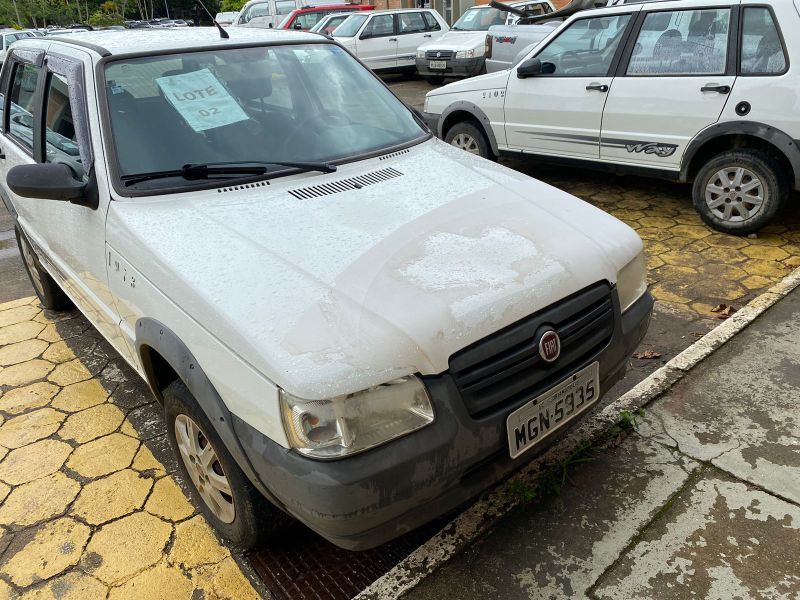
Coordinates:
112 497
725 241
691 231
224 580
24 373
765 268
195 544
730 273
653 233
157 583
53 548
21 352
19 302
80 396
683 259
657 222
19 332
26 398
70 372
102 456
30 427
126 547
58 353
168 501
72 586
39 500
34 461
765 253
91 423
146 463
756 282
18 315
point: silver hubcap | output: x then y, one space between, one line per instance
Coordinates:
735 194
466 142
30 263
204 468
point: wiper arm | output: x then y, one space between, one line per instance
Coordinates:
193 172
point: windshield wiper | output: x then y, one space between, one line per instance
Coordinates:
193 172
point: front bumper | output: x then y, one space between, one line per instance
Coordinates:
457 67
370 498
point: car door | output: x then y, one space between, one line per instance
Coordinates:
412 31
559 113
44 121
377 42
676 82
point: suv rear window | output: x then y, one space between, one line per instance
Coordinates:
762 50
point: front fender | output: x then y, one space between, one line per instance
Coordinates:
475 111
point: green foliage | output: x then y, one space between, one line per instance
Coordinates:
232 5
100 18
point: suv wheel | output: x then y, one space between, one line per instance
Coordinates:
739 191
470 138
50 295
219 487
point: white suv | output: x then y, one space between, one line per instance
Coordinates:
252 224
699 90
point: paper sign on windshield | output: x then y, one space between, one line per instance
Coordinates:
201 99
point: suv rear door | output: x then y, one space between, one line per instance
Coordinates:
560 113
674 80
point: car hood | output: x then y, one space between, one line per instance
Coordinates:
331 290
457 40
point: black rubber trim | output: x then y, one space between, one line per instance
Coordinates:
88 45
152 334
779 139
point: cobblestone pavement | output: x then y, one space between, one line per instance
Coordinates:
86 509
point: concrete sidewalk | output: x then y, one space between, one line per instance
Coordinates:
702 501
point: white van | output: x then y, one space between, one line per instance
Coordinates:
387 40
268 13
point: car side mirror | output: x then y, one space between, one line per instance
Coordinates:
48 181
533 67
365 36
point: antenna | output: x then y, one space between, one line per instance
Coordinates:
222 33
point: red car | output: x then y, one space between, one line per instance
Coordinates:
304 19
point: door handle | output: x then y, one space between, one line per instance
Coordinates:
2 154
427 35
392 39
598 87
713 87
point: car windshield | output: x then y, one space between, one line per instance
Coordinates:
479 19
302 103
261 9
350 26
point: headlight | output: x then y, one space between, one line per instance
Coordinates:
355 422
465 54
632 282
420 53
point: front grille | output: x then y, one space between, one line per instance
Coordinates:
506 367
439 54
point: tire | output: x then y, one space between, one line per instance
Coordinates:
435 79
724 205
470 138
247 519
51 296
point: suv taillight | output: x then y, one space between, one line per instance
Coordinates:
488 46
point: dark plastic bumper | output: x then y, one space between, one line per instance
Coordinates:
373 497
457 67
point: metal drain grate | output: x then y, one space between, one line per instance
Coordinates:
343 185
303 566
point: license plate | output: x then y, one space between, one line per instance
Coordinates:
549 412
437 64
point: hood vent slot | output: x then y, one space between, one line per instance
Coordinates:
393 154
344 185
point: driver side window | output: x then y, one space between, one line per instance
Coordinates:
586 48
61 141
380 25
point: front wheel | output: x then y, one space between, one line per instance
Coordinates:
740 191
50 295
469 138
219 487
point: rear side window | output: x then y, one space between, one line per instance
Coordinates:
23 98
431 22
682 42
411 22
762 50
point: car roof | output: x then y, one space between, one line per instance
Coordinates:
398 10
139 41
326 7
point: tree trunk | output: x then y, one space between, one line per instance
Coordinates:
16 11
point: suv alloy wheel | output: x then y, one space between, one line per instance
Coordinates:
468 137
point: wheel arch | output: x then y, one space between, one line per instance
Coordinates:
165 358
463 110
736 135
